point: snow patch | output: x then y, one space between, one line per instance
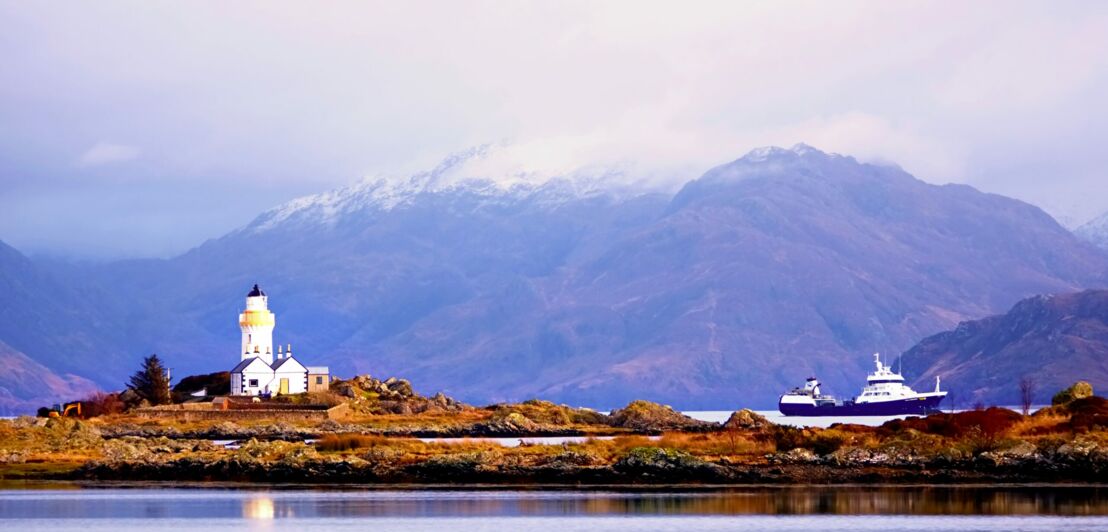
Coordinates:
474 172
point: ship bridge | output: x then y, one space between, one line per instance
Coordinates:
884 374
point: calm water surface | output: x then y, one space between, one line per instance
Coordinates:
784 509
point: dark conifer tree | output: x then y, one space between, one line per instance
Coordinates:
152 381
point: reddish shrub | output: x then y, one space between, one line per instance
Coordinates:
101 404
990 422
853 428
1088 413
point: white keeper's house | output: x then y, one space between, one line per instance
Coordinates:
257 373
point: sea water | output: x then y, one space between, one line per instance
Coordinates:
812 508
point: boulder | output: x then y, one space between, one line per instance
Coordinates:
656 458
401 387
513 423
798 455
746 419
1079 390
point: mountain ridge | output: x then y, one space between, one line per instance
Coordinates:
1054 339
775 266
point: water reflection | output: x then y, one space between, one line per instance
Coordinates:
258 507
262 505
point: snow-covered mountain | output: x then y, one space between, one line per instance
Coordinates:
476 174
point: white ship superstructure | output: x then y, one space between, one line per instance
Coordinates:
884 394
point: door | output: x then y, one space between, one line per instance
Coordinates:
284 387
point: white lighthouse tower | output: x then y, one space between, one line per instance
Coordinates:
257 373
257 327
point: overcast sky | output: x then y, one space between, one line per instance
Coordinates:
132 129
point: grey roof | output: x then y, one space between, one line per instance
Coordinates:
281 362
318 369
243 365
255 292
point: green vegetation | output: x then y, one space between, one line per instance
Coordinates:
151 383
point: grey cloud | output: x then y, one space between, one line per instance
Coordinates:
213 111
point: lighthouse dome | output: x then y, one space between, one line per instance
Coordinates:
256 292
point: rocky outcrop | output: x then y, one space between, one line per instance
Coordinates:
221 431
667 465
548 413
1079 390
1085 414
746 419
536 417
645 416
368 395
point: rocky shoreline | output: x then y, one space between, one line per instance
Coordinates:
531 419
642 467
291 433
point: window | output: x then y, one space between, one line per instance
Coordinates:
319 379
254 382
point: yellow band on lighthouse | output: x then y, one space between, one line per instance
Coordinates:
256 318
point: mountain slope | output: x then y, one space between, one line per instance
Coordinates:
779 265
62 319
1055 340
26 385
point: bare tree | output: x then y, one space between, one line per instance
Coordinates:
1027 393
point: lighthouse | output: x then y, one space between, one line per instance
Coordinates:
257 324
257 373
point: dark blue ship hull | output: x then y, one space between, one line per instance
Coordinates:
920 406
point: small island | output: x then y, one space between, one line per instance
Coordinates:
385 433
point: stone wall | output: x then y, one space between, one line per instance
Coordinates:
191 413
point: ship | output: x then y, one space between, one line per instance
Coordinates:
885 394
